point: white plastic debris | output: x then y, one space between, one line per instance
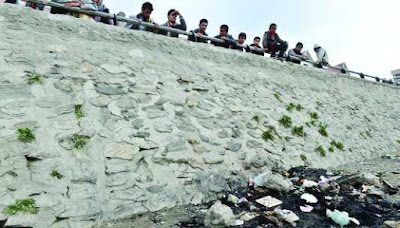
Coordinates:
309 198
287 215
269 201
355 221
239 222
339 217
306 208
309 184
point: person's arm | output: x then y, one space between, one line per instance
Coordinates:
89 5
182 26
320 55
264 41
279 39
294 54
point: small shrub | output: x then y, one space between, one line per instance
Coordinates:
331 149
269 134
321 151
299 108
323 131
79 141
303 157
256 118
35 78
78 112
286 121
278 96
26 135
337 144
290 107
314 115
299 131
54 173
24 206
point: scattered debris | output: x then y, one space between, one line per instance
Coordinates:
219 215
269 201
306 209
309 198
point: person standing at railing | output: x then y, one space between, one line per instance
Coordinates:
83 4
200 31
241 40
272 43
229 41
322 56
144 16
296 55
256 45
172 15
102 8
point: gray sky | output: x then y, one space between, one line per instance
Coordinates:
363 33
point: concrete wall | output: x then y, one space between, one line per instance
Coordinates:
170 122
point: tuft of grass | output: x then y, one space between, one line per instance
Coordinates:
398 141
331 149
314 115
79 141
322 130
278 96
319 104
78 112
35 78
54 173
269 134
337 144
321 151
26 135
290 107
303 157
286 121
299 108
25 206
299 131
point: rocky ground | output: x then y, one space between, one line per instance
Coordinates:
369 191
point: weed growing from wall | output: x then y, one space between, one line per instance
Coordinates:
26 135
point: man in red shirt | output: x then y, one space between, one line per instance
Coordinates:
272 43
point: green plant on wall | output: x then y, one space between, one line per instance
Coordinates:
54 173
25 206
278 96
331 149
35 78
290 107
303 157
79 141
26 135
269 134
78 112
323 130
313 115
298 131
321 151
337 144
286 121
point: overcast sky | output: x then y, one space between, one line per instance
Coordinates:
363 33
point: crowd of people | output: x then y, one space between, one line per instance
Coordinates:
271 42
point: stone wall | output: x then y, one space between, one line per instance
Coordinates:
165 122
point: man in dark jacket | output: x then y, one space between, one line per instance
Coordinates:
102 8
272 43
144 16
229 41
201 31
172 15
256 45
296 55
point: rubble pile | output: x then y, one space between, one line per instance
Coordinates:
305 197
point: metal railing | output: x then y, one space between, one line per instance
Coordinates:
181 32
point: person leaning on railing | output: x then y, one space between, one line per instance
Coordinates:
256 45
102 8
83 4
144 16
322 56
296 55
272 43
172 15
229 41
200 31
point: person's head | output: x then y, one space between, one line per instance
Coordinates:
223 30
147 9
273 27
256 40
242 38
299 47
317 47
98 2
172 15
203 25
